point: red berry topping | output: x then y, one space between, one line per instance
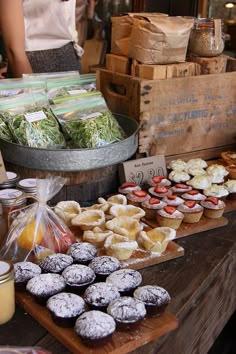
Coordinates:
127 185
172 197
181 186
160 189
158 179
140 193
169 209
154 201
190 203
193 192
213 200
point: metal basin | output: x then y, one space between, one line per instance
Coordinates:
74 159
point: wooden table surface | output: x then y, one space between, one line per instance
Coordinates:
202 285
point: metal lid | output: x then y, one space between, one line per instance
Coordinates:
28 185
12 179
8 197
6 270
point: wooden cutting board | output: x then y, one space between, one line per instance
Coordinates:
121 342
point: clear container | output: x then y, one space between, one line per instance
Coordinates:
28 186
11 199
3 227
7 292
206 38
12 179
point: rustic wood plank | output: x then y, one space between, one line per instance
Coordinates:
118 63
212 65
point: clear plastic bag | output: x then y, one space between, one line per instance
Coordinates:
23 350
31 121
87 122
36 230
14 87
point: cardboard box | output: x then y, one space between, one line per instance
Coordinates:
140 170
3 175
179 115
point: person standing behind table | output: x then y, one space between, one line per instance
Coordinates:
39 36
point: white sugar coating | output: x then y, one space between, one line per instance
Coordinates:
173 202
196 197
136 198
159 194
66 305
127 190
152 295
46 284
101 294
104 264
55 263
94 325
125 279
78 274
179 176
216 191
163 182
176 214
127 309
24 271
210 205
195 209
82 251
176 189
147 205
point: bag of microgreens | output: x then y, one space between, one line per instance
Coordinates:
31 121
13 87
87 122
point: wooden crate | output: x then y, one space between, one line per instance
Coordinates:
178 116
118 63
212 65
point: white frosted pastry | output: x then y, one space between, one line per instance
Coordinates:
177 165
120 247
67 210
89 219
156 240
216 191
217 173
179 176
200 181
127 210
162 180
113 200
173 200
128 187
213 203
198 162
125 226
231 185
96 236
195 170
193 195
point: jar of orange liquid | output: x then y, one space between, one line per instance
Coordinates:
7 292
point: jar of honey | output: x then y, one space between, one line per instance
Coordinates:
7 292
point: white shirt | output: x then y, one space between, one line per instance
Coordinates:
49 24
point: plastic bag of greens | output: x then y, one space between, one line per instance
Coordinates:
45 76
5 132
87 122
61 87
36 230
13 87
31 121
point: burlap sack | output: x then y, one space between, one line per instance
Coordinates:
121 31
160 40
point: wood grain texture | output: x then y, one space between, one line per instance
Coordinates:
213 65
121 342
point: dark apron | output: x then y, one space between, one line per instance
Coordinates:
54 60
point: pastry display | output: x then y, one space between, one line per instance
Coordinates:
127 210
200 181
78 277
127 311
169 216
136 198
128 187
159 191
155 298
217 173
99 295
193 195
177 165
156 240
218 191
213 207
65 308
96 236
162 180
82 252
23 272
125 226
191 210
180 188
120 247
230 185
104 266
126 280
55 263
151 206
173 200
67 210
89 219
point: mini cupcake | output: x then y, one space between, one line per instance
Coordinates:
213 207
127 312
24 271
128 187
193 195
179 176
151 206
192 211
82 252
159 191
104 266
177 165
217 173
46 285
55 263
180 188
126 280
200 181
65 308
173 200
99 295
198 162
95 327
169 216
162 180
78 277
218 191
231 188
136 198
155 299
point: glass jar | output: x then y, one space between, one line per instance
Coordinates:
28 186
12 179
206 38
11 199
7 292
3 227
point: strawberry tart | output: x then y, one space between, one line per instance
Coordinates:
137 197
191 210
193 195
162 180
213 207
169 216
173 200
159 191
180 188
128 187
151 206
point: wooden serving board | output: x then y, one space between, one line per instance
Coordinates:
190 229
230 205
121 342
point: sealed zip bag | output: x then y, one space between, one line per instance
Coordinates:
31 121
14 87
87 122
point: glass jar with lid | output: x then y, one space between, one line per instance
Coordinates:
28 186
7 292
12 179
3 227
206 38
11 199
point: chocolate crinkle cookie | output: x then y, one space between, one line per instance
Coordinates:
55 263
101 294
126 280
127 310
24 271
82 252
104 265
